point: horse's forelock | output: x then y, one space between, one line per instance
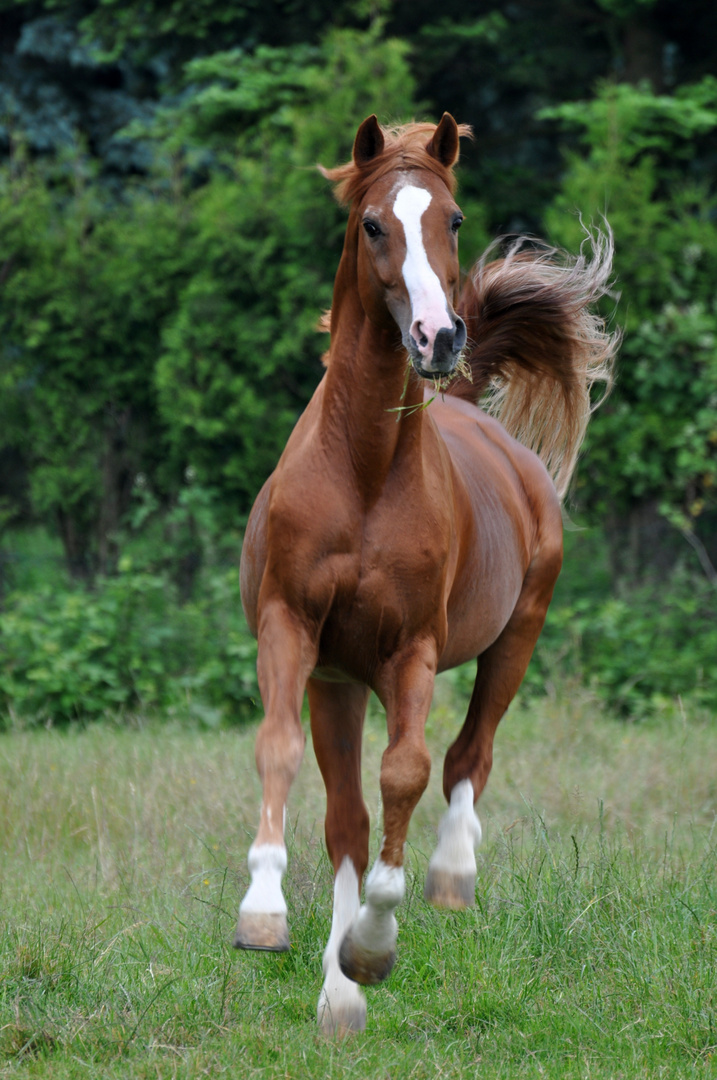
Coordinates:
405 148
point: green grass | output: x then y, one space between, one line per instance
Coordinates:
592 950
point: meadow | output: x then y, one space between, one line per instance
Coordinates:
591 951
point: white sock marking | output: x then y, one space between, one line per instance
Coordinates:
375 928
459 833
267 864
341 997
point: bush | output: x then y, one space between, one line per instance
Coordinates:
127 645
640 647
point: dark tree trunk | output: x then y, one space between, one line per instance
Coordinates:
118 474
77 542
643 54
642 543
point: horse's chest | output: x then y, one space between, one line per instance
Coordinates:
392 589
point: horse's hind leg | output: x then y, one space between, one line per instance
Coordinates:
450 881
285 660
337 715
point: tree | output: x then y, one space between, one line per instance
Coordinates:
175 333
86 290
241 351
653 447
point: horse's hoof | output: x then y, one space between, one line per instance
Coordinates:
446 890
346 1018
363 966
258 931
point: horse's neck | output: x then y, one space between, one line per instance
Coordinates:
372 403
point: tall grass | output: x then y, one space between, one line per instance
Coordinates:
592 950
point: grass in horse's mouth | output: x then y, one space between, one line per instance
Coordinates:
440 385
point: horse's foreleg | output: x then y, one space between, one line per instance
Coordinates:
285 659
450 881
337 715
368 950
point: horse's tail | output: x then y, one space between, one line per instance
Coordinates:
535 348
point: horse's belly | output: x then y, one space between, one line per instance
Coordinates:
483 597
333 674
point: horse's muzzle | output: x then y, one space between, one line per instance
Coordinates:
447 349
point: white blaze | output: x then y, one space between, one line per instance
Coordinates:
429 309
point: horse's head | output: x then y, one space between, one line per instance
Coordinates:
408 225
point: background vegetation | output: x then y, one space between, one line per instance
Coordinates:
166 247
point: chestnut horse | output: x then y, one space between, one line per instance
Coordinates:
403 534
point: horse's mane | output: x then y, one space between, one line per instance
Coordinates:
405 147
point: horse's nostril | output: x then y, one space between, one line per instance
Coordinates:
420 335
460 336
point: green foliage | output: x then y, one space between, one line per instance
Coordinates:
641 168
641 647
623 122
141 338
57 92
656 438
272 102
126 646
188 25
660 442
164 633
80 655
86 289
264 246
640 650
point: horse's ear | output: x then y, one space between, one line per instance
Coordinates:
369 141
444 144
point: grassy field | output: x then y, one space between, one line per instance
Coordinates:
591 953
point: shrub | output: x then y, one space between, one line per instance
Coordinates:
124 646
640 647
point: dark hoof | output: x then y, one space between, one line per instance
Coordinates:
362 966
268 932
445 890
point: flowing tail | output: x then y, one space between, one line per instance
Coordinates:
535 348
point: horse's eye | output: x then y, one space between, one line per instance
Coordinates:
457 222
371 229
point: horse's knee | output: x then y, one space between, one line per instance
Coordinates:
405 771
279 747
